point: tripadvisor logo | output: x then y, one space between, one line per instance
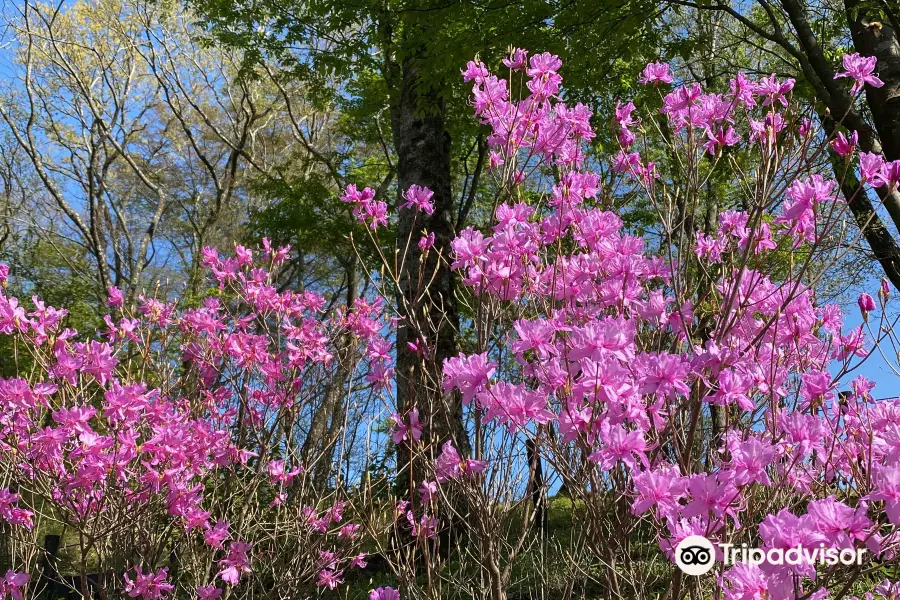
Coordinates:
696 555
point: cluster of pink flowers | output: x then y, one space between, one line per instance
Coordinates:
532 127
374 213
582 367
878 172
84 435
365 208
149 586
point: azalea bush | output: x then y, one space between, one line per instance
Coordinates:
169 453
686 382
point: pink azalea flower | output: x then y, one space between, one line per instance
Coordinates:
12 584
419 197
209 592
620 444
749 460
660 488
148 586
116 298
866 304
861 69
330 579
384 593
216 534
469 374
448 464
844 146
403 431
517 59
870 166
887 489
655 73
235 563
426 242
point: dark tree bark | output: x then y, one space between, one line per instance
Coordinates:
881 39
425 301
884 247
426 297
869 39
536 489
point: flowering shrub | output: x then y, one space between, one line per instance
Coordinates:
687 387
173 439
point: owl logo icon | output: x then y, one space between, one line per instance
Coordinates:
695 555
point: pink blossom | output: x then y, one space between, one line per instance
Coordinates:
115 297
330 579
816 388
514 405
209 592
844 146
870 166
517 59
660 489
148 586
620 444
774 90
474 71
384 593
402 431
365 208
358 561
12 316
887 489
866 304
235 563
216 534
749 460
12 584
427 491
720 138
468 374
419 197
745 581
655 73
426 242
709 247
425 527
623 114
861 69
544 80
889 175
12 514
448 464
278 474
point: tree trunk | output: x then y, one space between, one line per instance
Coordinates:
884 102
884 247
427 303
874 37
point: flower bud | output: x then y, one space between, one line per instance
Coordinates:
866 304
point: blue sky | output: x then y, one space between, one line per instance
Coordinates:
877 366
